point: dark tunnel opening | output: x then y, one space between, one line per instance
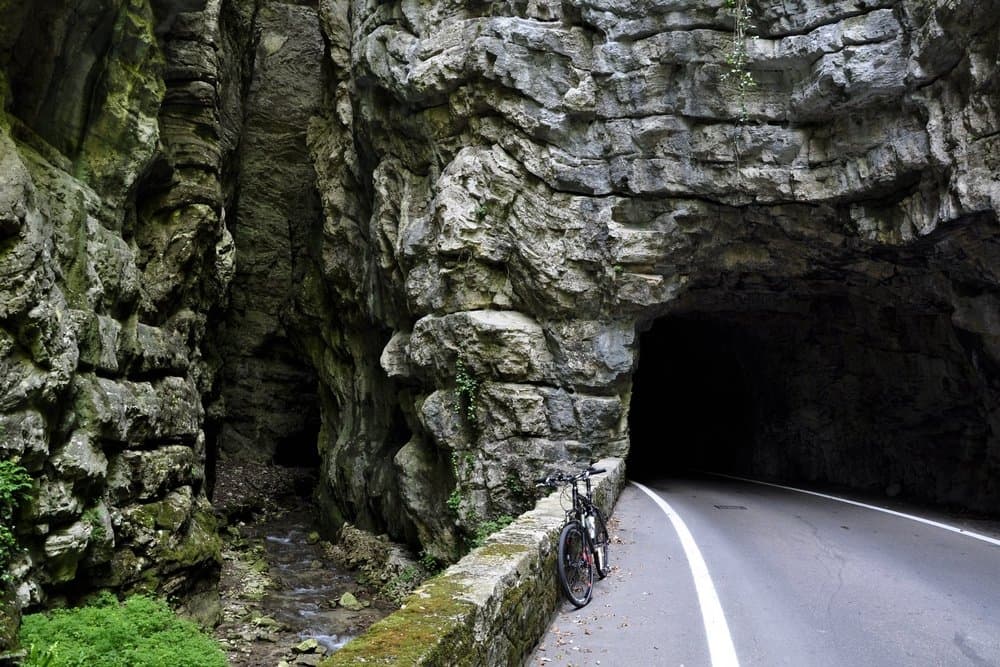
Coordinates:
834 390
693 407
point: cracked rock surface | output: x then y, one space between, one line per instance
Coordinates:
434 249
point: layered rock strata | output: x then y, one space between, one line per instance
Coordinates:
114 252
546 181
421 244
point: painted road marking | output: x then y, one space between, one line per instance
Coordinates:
955 529
720 642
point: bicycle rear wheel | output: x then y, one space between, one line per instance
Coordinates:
575 564
601 542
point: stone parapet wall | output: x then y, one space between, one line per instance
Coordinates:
491 607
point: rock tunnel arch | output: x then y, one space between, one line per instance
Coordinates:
852 387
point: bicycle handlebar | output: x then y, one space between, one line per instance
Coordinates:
557 478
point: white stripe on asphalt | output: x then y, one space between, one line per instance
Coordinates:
720 643
955 529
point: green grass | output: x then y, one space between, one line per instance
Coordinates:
140 632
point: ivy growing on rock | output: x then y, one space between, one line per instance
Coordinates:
738 76
466 394
15 486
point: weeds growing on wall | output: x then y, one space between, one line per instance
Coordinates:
15 487
140 632
455 498
466 394
475 528
487 527
737 77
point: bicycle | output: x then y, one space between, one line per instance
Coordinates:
583 540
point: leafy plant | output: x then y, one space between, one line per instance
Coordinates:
515 486
15 486
400 586
737 76
93 517
431 563
486 528
466 394
454 500
140 632
15 483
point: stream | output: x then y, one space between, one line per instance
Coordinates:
280 587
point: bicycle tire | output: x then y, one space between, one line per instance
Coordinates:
602 541
575 564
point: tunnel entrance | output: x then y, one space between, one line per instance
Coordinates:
693 407
834 388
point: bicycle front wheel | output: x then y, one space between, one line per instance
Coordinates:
601 542
575 564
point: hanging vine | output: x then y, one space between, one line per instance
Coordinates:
737 77
466 394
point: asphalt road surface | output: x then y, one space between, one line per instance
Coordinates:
723 572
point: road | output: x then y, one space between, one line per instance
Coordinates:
797 580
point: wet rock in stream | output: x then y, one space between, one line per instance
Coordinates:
280 584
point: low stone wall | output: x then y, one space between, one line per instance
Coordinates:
492 606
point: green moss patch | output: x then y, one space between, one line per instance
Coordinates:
505 551
433 627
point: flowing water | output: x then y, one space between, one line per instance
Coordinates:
280 587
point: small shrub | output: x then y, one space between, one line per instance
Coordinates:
399 587
466 394
455 500
431 563
486 528
515 486
93 517
15 485
140 632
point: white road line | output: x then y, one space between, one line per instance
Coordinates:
955 529
720 643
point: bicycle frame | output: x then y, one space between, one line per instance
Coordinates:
583 520
582 502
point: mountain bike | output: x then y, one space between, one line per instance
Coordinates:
583 540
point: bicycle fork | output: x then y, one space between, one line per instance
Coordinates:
592 547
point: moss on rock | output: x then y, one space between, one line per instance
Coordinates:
434 627
123 134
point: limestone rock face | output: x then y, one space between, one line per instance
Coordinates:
269 388
436 249
114 250
544 182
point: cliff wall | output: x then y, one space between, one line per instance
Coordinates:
435 248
